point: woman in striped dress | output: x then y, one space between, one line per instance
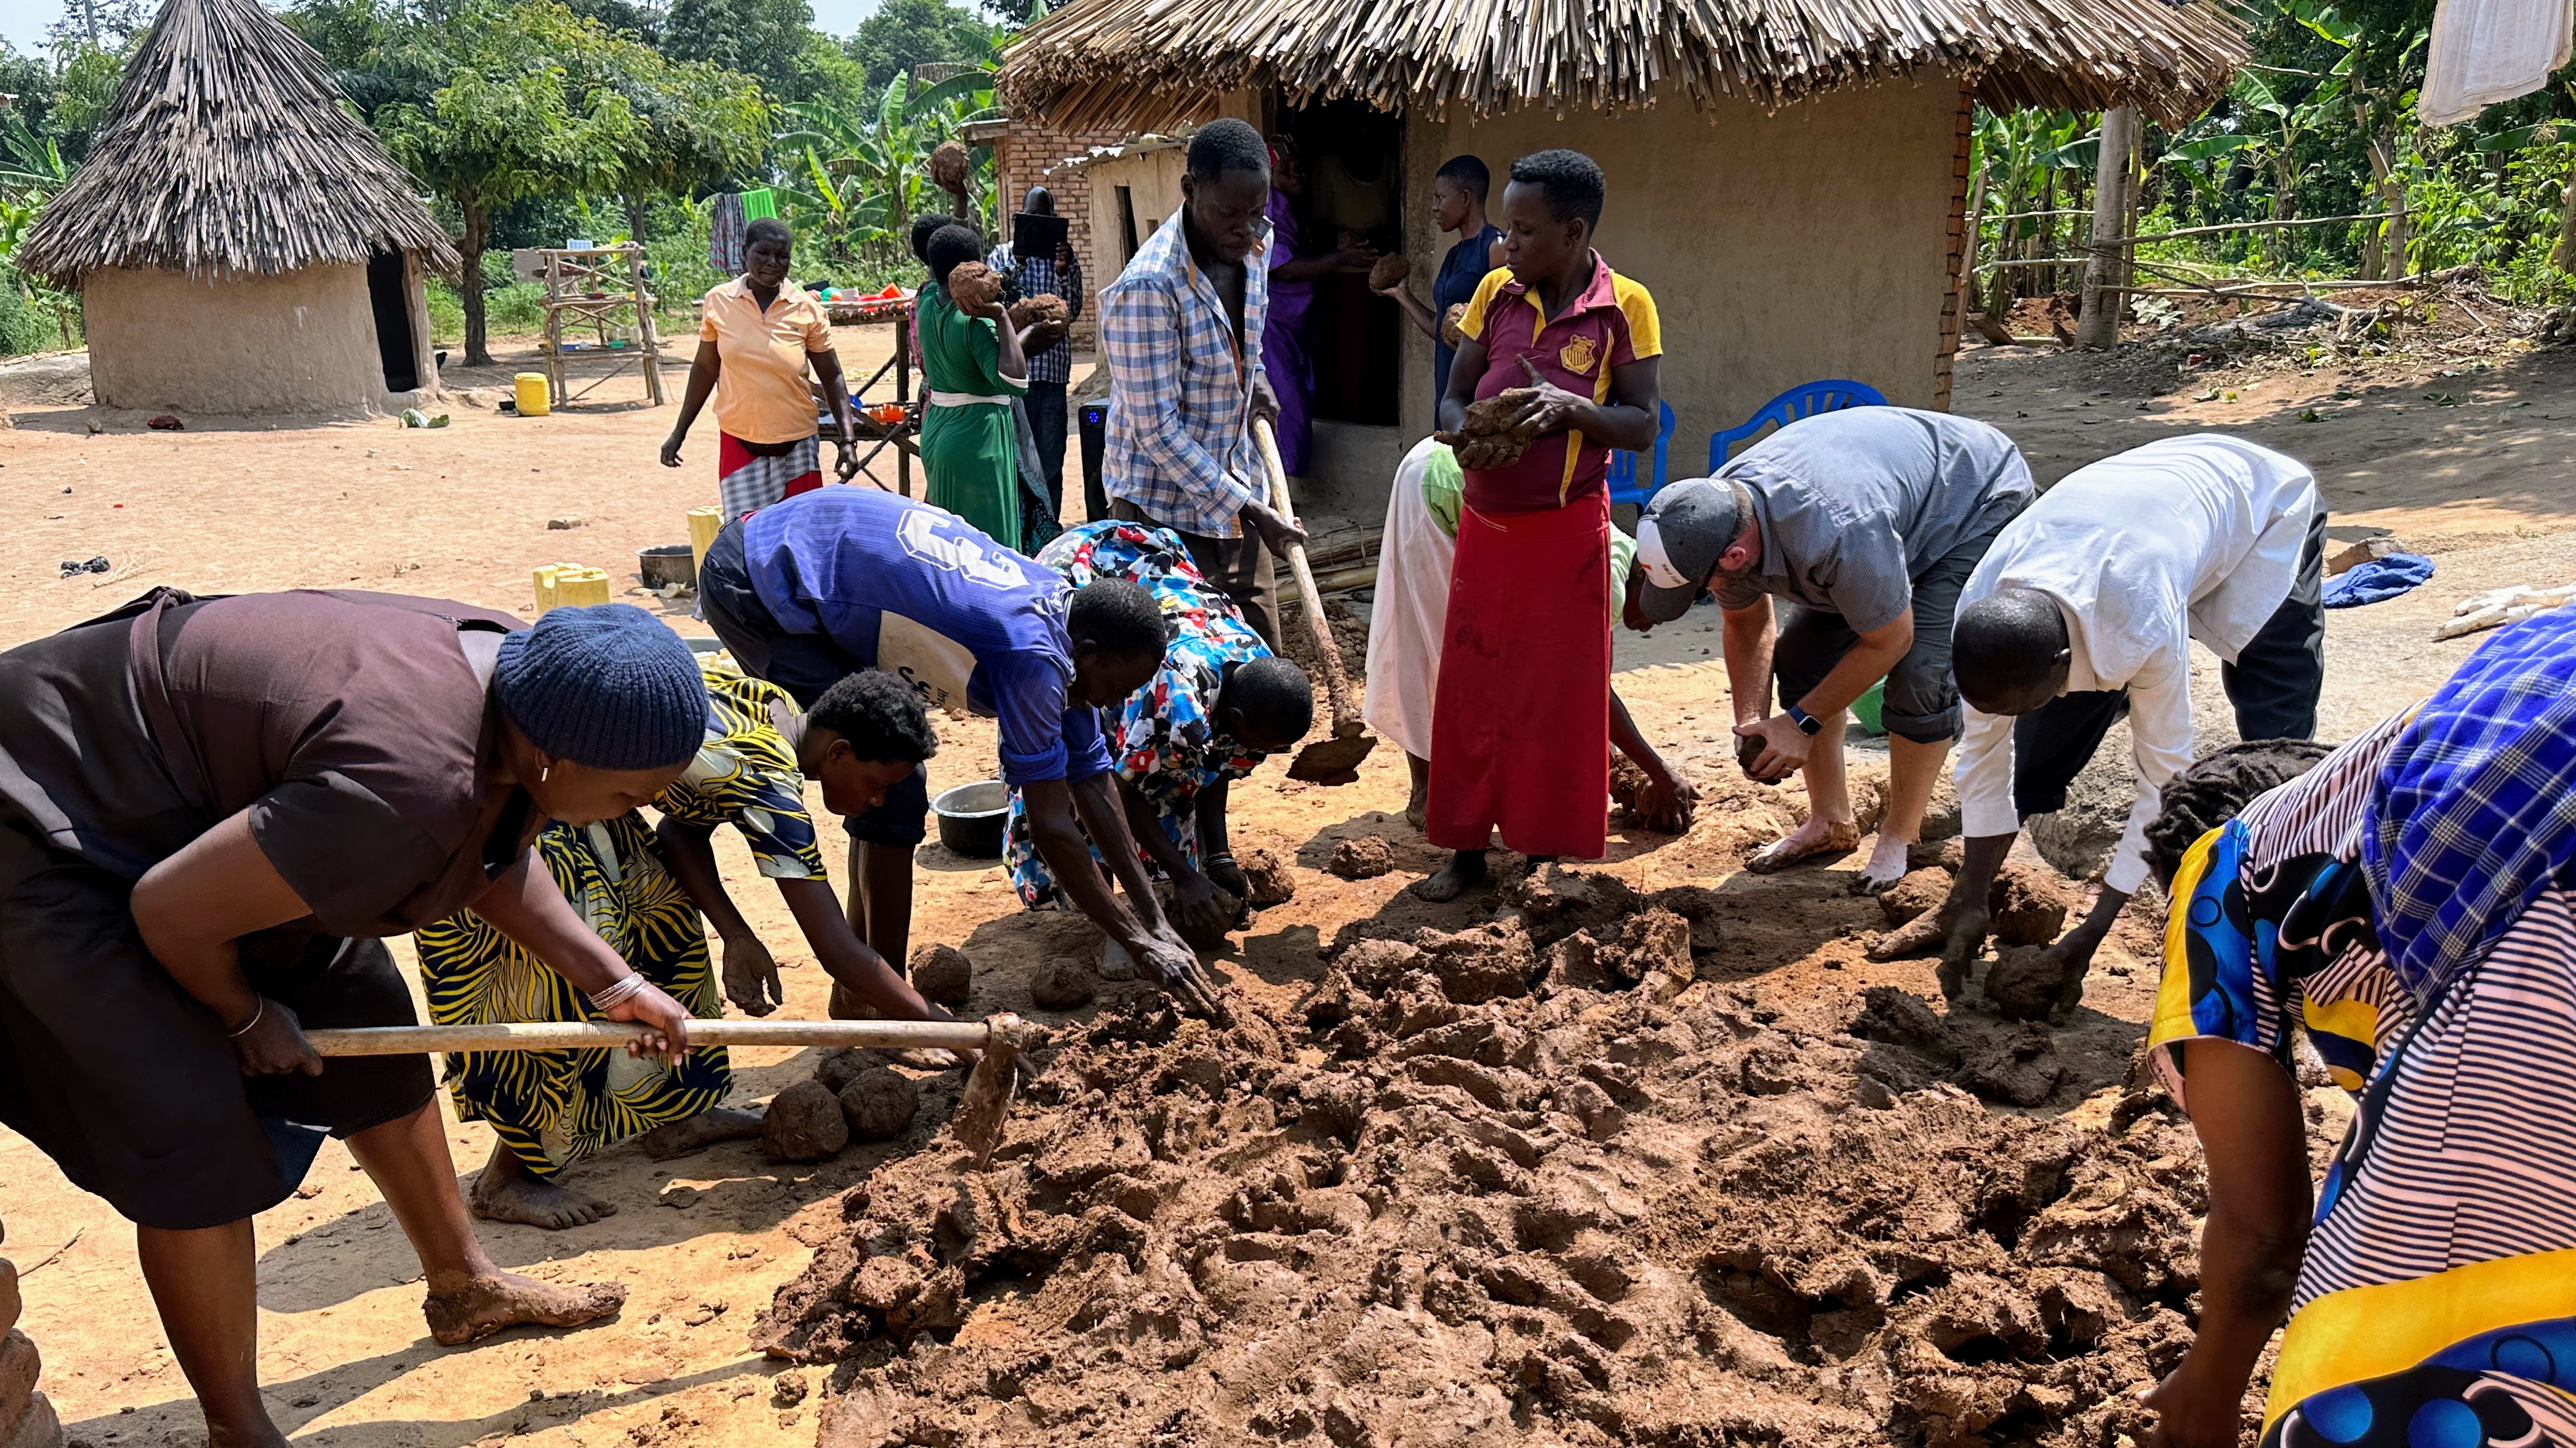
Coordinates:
2406 903
643 888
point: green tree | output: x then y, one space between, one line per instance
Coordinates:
84 88
905 33
510 122
699 124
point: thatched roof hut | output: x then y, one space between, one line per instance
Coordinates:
1787 176
243 242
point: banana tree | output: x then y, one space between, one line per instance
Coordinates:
861 178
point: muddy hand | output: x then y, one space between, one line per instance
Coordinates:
1179 971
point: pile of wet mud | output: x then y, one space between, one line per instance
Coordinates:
1535 1180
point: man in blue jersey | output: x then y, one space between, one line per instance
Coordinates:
843 579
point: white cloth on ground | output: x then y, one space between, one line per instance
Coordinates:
1410 613
2188 538
2485 51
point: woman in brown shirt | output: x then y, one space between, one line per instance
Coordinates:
210 812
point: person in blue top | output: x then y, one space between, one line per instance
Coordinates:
1458 191
853 578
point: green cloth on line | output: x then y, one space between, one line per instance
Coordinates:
1444 484
969 452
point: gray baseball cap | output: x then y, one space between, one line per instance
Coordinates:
1684 531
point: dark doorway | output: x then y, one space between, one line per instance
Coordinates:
1351 158
391 300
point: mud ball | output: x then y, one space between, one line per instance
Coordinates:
1919 893
1389 270
1627 783
1365 858
2029 907
942 972
1043 308
879 1104
2024 981
839 1068
1219 936
804 1124
1950 854
972 284
1449 320
948 165
1272 882
1062 984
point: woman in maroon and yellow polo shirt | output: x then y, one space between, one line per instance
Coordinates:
1520 731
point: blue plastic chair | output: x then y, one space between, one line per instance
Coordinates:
1623 466
1805 400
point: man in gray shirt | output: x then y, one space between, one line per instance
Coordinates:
1866 523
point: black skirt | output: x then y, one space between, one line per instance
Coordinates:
109 1067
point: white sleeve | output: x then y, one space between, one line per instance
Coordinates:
1985 774
2160 747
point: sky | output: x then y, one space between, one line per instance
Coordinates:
23 22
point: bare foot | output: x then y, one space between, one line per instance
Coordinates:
264 1435
1886 866
1816 838
697 1133
520 1197
921 1058
505 1299
1115 963
1464 872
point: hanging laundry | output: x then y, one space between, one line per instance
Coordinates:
725 223
2485 51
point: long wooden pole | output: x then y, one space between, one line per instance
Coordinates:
2099 326
592 1035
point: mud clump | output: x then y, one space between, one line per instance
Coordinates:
2025 982
1269 877
1920 892
1455 1195
942 973
1216 934
879 1104
2029 907
804 1123
1045 311
839 1068
1488 436
972 284
1388 270
1062 984
1365 858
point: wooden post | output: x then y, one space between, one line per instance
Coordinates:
2099 327
645 337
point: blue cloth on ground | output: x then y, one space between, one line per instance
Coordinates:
2378 580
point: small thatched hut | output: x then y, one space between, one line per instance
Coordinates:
1787 176
241 242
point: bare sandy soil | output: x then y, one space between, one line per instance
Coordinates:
1761 1040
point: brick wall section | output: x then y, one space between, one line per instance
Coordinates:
1021 159
1953 303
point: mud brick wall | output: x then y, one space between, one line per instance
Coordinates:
27 1420
1020 161
1954 303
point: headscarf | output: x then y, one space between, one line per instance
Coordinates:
2475 811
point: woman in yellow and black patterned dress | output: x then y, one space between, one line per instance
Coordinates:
643 889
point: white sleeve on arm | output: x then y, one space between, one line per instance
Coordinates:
1985 774
2160 747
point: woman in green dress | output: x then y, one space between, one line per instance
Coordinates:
643 888
972 365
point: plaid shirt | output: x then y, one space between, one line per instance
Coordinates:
2474 813
1039 276
1179 444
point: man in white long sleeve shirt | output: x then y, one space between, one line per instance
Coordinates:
2084 609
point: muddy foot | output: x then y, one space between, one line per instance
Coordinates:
1815 839
506 1300
1464 872
536 1202
1115 963
921 1058
697 1133
1886 866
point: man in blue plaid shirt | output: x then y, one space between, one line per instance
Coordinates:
1056 274
1181 329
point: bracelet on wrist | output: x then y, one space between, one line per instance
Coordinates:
237 1032
619 991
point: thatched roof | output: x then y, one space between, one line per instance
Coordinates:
1135 64
228 150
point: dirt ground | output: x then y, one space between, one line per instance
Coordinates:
1695 1177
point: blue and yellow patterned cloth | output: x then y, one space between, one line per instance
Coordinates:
1165 738
554 1108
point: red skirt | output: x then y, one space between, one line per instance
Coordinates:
1520 727
747 481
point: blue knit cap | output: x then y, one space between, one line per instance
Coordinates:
607 686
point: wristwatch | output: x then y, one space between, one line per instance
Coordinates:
1808 724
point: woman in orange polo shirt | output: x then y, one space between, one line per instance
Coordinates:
760 334
1520 727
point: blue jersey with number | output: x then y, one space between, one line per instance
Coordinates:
917 591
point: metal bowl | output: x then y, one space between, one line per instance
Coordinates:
971 818
666 564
